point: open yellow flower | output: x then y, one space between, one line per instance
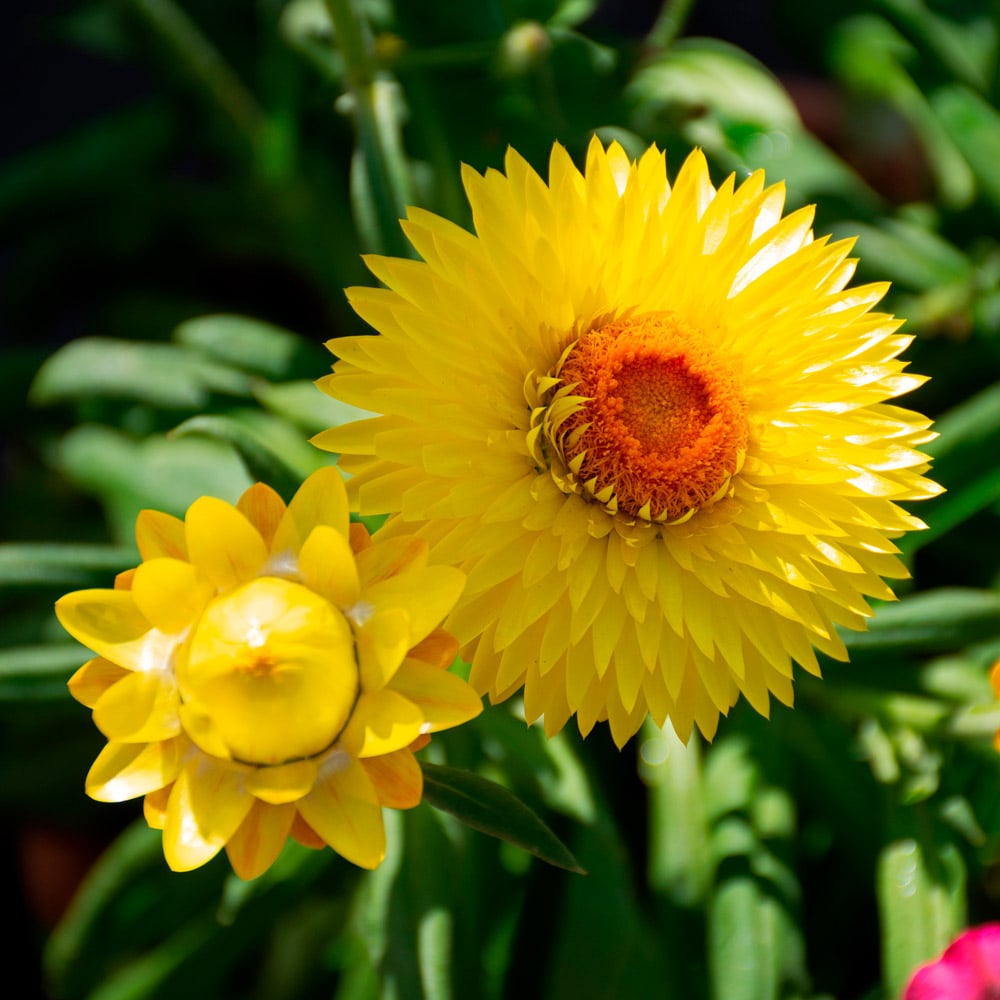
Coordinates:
649 422
266 672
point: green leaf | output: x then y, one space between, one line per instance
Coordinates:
490 808
921 896
679 864
167 474
128 902
720 98
902 251
57 564
569 13
968 48
710 75
965 434
974 126
162 375
250 344
755 937
39 673
870 54
261 462
935 620
306 406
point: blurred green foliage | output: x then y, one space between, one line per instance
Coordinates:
177 262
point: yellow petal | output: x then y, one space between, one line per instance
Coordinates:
110 623
206 807
223 543
140 708
170 593
257 843
427 595
158 534
397 779
93 679
344 810
305 835
107 621
444 699
388 557
154 807
127 770
263 509
284 782
203 731
360 538
382 721
382 643
326 565
439 648
321 499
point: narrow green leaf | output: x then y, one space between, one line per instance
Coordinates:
603 934
58 564
965 433
967 47
261 462
69 964
871 56
39 673
934 620
901 251
490 808
974 126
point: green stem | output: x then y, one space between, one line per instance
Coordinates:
669 24
386 189
185 41
359 61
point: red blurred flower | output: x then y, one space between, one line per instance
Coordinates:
969 969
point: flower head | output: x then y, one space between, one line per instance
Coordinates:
266 672
969 969
650 423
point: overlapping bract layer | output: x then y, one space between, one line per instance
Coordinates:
266 673
714 555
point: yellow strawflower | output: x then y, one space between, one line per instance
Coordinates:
265 673
649 422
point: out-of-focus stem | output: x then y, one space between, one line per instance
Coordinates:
204 63
670 23
388 182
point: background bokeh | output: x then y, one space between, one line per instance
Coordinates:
186 188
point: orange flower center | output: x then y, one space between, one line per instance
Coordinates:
647 419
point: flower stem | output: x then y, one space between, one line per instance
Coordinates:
669 24
205 64
381 186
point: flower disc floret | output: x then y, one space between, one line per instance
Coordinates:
642 418
653 424
267 672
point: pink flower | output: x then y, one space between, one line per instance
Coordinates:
969 969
